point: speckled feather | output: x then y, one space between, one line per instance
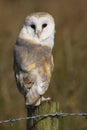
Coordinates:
31 61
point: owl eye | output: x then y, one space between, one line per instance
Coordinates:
44 25
33 26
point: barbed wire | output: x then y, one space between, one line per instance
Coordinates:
57 114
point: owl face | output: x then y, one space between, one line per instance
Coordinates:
39 27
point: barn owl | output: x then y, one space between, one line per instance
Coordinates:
33 60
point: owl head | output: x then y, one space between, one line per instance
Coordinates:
40 28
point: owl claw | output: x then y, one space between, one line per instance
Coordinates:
45 99
42 99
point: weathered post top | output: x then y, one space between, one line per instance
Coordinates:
44 123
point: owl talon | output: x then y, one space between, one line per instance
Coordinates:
45 99
42 99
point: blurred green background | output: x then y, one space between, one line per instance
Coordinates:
69 80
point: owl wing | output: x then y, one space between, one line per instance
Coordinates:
23 64
33 66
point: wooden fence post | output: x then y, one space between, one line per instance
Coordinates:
48 123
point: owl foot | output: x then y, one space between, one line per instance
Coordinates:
42 99
45 99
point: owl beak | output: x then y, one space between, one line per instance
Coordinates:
39 33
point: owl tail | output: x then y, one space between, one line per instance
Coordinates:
30 122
